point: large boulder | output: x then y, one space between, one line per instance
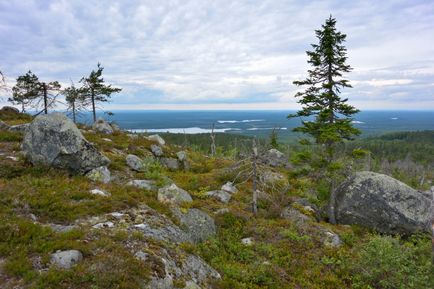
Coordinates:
66 259
102 126
156 138
382 203
54 140
173 195
135 163
275 158
198 224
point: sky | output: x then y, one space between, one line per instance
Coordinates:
220 54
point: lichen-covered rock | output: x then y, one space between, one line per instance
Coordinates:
174 195
115 127
100 174
198 224
230 188
220 195
143 184
135 163
156 150
170 163
275 158
99 193
382 203
54 140
66 259
156 138
102 126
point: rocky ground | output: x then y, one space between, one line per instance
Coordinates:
95 207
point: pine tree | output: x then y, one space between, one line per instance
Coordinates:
75 101
95 90
29 91
331 114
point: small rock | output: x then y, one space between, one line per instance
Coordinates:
3 125
107 139
102 126
19 127
33 217
182 156
142 256
247 241
198 224
15 159
156 150
100 174
230 188
117 215
135 163
275 158
99 192
62 228
220 195
170 163
143 184
66 259
294 215
173 194
104 225
331 239
157 138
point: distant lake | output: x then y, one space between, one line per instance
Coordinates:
259 122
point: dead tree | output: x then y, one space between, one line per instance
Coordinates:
213 147
255 177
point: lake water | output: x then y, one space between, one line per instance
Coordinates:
259 122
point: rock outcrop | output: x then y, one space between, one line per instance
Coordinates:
382 203
102 126
54 140
275 158
197 224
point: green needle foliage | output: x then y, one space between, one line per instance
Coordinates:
95 90
331 114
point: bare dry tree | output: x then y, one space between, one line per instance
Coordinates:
212 135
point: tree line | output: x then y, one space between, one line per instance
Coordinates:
30 92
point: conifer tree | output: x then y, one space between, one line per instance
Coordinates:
329 116
29 91
95 90
75 101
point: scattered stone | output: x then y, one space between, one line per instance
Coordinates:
170 163
115 127
230 188
275 158
66 259
102 126
247 241
99 192
140 255
106 139
174 195
117 215
220 195
54 140
143 184
157 138
156 150
222 211
103 225
62 228
382 203
135 163
100 174
182 156
15 159
294 215
198 224
33 217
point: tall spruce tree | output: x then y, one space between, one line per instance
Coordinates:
95 90
29 91
320 100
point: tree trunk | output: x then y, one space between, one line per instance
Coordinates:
92 92
44 88
73 112
255 177
332 204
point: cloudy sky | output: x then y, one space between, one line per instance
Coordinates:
221 54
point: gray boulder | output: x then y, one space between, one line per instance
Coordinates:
102 126
115 127
174 195
275 158
143 184
220 195
156 150
230 188
54 140
198 224
156 138
135 163
9 110
100 174
381 203
66 259
170 163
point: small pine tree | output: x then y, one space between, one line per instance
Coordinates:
75 101
95 90
331 114
273 139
